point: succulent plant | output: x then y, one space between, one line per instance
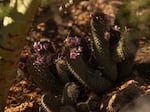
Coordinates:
96 62
50 103
133 19
101 77
70 94
101 45
62 69
39 67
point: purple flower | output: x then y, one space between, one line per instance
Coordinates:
74 41
39 60
116 28
75 52
21 65
45 46
126 28
87 39
73 55
77 40
75 49
91 15
37 46
97 17
79 49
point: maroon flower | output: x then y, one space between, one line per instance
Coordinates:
116 28
91 15
87 39
74 41
39 60
75 52
21 65
37 46
73 55
74 47
79 49
45 46
97 17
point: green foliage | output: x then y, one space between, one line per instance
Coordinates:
4 10
135 14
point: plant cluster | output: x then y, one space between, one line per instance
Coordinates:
95 62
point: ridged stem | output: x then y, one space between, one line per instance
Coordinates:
44 78
62 69
92 79
125 52
101 48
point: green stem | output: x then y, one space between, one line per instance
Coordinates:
62 69
92 79
101 47
44 78
125 53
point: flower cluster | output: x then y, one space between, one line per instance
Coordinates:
74 46
75 52
38 46
72 41
44 60
42 55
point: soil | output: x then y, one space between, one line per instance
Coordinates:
24 96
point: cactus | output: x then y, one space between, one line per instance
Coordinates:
133 18
104 50
70 94
82 107
101 46
74 59
89 105
89 77
125 52
40 67
44 78
68 108
96 79
50 103
63 71
114 55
